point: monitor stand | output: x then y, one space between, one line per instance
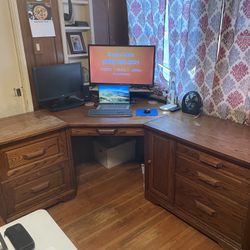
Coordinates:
64 103
141 89
133 89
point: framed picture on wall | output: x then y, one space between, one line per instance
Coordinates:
76 43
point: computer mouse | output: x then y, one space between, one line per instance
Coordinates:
146 111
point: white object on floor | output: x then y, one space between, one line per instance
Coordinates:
89 104
46 234
113 156
153 102
168 106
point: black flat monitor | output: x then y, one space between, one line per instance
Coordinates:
129 65
58 81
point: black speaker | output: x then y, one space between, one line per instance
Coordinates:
86 93
68 16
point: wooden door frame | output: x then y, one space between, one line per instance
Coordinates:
19 47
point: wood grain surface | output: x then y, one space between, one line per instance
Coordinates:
110 212
23 126
222 215
78 117
215 135
209 192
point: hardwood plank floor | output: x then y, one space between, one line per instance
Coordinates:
110 212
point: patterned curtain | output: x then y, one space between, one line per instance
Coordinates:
221 78
146 27
209 49
230 97
194 31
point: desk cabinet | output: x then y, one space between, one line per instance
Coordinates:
159 163
35 173
208 191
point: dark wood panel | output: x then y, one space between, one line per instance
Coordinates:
160 166
246 238
36 171
223 216
210 192
33 152
217 137
107 131
32 188
101 21
118 22
110 22
51 50
234 188
216 164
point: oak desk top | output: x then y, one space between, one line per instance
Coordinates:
78 117
215 135
22 126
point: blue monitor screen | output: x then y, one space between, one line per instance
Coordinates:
113 94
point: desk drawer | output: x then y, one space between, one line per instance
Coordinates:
215 163
34 150
107 131
29 190
223 216
235 189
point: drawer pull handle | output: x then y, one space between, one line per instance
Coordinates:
33 155
106 131
40 187
211 161
149 162
208 180
209 211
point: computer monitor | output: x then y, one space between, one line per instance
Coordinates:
132 65
58 81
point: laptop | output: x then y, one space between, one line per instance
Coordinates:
114 97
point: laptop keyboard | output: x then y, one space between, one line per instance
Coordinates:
110 112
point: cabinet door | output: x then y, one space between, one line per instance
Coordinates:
159 162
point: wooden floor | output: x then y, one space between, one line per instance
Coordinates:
110 212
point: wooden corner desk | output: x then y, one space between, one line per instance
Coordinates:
36 165
199 169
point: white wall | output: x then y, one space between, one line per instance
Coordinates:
13 70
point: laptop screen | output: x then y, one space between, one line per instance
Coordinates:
110 94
